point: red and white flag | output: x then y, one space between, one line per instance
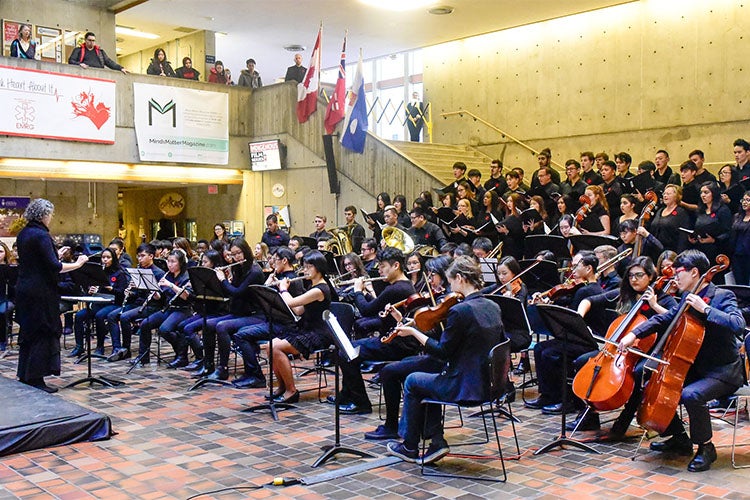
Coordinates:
335 111
307 91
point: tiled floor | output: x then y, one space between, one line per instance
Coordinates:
174 444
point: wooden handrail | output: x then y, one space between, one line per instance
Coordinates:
462 112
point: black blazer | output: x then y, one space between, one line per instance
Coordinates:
472 328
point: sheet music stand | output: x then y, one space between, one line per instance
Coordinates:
570 328
90 275
535 243
543 277
276 311
8 278
489 270
206 288
591 241
144 279
88 300
343 344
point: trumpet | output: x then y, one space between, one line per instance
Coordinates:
365 280
221 268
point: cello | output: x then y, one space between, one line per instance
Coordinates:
606 381
678 347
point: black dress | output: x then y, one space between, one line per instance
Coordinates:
37 304
312 333
666 228
592 222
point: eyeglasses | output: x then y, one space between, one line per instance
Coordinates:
636 275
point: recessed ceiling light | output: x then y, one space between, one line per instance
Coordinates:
294 48
441 10
123 30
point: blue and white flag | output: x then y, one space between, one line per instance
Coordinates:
355 124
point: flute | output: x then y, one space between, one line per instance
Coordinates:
365 280
221 268
291 280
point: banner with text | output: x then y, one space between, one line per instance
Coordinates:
55 106
174 124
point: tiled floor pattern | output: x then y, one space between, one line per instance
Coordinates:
174 444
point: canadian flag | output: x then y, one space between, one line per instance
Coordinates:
307 91
335 111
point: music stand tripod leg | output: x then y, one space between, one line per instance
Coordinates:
330 451
271 405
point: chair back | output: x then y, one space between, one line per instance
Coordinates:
344 312
499 369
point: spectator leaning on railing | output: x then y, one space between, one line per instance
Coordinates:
90 55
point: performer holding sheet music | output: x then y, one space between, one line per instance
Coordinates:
134 306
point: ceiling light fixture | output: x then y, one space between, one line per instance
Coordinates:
294 48
441 10
124 30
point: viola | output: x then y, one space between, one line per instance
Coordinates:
582 212
428 317
645 216
514 285
606 381
678 348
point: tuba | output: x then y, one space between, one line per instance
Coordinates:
427 251
396 238
340 243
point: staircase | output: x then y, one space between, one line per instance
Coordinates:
438 159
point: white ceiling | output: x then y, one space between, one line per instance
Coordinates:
260 28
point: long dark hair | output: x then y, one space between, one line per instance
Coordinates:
715 196
114 267
627 293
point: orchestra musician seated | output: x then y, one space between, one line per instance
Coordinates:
608 277
472 328
246 338
548 354
309 334
392 375
717 369
639 276
353 396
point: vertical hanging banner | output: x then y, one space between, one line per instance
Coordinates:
174 124
55 106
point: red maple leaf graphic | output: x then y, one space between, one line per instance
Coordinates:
84 104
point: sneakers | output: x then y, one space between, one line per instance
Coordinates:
438 449
76 352
402 452
382 432
99 351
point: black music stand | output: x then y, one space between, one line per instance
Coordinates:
8 278
144 279
591 241
567 326
543 277
342 345
488 267
535 243
90 275
206 288
276 311
88 300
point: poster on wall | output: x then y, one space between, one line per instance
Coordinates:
50 44
10 33
11 210
282 214
180 125
50 105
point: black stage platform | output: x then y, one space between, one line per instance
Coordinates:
31 419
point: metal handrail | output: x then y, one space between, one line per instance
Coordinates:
462 112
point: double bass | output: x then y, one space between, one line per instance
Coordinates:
678 347
606 381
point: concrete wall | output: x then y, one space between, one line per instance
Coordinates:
72 16
192 46
636 77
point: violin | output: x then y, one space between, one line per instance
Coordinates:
582 212
428 317
677 349
606 381
646 213
411 302
568 287
514 285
